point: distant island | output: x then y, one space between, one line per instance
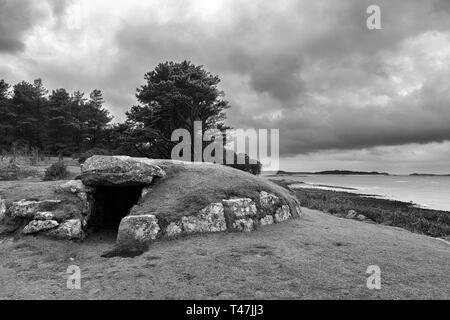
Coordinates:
350 172
334 172
429 175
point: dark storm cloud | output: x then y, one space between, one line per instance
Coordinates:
333 46
310 68
279 77
59 6
17 17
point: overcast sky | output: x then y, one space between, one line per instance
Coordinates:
343 96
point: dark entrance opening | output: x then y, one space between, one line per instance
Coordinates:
112 204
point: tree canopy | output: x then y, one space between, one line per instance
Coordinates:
174 96
55 123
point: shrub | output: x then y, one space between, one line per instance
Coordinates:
248 166
57 171
92 152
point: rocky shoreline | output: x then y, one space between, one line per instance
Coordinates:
368 209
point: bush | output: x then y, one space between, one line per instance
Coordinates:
92 152
57 171
249 167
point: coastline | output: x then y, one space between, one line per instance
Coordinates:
371 209
303 185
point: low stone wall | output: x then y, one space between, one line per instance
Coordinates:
233 215
60 219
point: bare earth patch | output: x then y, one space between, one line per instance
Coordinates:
316 257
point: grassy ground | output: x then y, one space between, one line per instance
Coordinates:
18 190
394 213
316 257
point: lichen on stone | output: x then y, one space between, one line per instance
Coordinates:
174 229
44 216
138 229
283 214
27 209
37 226
269 202
245 225
240 208
2 209
119 171
209 219
267 220
69 230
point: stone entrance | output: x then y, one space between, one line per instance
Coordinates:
111 205
117 183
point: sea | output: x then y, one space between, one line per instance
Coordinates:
430 192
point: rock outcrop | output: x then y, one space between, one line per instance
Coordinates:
119 171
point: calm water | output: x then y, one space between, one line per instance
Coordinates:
427 192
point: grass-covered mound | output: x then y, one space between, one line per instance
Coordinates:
189 187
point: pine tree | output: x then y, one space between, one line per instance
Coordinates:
175 96
59 127
8 117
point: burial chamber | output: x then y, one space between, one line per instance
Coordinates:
111 205
145 200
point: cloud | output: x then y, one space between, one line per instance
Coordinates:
18 17
310 68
